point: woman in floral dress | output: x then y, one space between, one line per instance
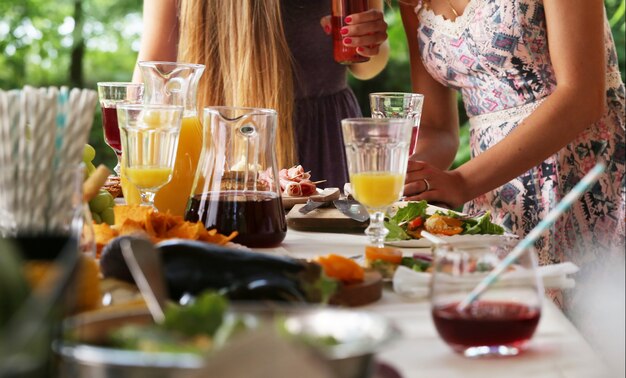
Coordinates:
545 100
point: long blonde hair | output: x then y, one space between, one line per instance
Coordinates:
248 63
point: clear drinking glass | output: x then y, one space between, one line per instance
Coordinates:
111 94
399 105
503 319
377 153
149 136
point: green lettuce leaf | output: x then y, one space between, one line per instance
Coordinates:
482 225
395 232
411 211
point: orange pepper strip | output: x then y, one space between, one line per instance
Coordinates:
389 254
341 268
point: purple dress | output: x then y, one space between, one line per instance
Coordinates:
323 97
496 54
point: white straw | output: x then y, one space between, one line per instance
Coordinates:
23 160
5 147
43 140
13 114
567 201
75 132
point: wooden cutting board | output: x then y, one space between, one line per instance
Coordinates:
329 194
323 219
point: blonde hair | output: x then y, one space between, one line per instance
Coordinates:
248 63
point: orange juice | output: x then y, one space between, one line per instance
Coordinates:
129 190
148 177
377 190
174 195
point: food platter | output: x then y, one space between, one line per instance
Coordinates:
459 240
456 240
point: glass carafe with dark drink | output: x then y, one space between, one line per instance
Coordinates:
340 9
236 186
173 83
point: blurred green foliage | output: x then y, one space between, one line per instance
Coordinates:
80 42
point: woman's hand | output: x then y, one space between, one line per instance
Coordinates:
426 182
366 31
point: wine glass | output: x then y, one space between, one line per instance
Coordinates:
504 318
377 153
111 94
149 135
399 105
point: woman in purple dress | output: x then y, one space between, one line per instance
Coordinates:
545 100
273 54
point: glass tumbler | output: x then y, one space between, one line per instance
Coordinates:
399 105
502 320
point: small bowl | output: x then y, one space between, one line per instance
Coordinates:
357 335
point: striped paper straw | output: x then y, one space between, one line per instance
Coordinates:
567 201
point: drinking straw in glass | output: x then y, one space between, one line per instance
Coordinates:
111 94
149 135
590 178
377 153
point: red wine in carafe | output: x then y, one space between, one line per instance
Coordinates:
258 217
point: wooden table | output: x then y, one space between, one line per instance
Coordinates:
557 349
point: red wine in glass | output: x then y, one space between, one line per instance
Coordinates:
340 9
111 129
486 323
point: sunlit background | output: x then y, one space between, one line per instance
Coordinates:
78 43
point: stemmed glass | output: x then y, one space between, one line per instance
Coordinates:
377 153
149 135
504 318
111 94
399 105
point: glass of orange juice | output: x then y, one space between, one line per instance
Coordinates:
377 152
149 135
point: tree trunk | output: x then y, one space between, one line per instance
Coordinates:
78 47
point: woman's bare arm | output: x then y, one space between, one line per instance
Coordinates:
159 39
576 42
438 138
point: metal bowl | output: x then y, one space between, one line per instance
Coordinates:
357 336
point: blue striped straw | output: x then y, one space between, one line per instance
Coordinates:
567 201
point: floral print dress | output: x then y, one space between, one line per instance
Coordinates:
496 54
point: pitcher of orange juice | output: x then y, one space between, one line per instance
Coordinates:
176 84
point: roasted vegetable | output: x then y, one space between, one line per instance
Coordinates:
112 263
192 267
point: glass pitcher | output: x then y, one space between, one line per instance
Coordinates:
236 186
174 84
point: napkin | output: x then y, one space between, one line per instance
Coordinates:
412 284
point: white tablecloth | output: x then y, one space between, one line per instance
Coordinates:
557 349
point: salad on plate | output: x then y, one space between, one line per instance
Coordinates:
407 223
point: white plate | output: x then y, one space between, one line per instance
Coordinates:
456 240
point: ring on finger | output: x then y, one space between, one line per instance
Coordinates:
427 185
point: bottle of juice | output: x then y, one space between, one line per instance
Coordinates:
176 84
